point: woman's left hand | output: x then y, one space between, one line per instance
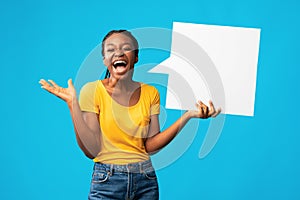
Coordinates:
204 111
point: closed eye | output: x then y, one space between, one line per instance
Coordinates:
127 49
110 50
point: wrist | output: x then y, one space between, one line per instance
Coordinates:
73 101
189 114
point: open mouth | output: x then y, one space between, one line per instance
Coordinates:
120 66
119 63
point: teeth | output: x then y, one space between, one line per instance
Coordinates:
120 62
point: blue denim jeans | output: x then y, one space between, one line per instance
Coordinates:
136 181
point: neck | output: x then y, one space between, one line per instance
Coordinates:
122 84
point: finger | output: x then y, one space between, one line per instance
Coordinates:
70 83
43 82
45 85
197 106
200 111
200 103
53 83
203 109
212 109
54 88
217 113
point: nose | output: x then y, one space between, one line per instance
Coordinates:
119 52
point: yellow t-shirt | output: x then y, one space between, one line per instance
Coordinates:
123 129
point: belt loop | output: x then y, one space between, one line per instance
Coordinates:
141 167
111 169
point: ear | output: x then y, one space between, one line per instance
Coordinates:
103 60
136 59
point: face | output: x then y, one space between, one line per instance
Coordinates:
119 55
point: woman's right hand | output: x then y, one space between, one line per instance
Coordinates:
67 94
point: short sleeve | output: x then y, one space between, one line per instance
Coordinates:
88 99
155 103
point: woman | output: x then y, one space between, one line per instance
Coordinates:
116 123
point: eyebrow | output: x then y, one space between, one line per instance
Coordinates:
126 43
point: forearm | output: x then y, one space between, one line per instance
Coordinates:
87 139
163 138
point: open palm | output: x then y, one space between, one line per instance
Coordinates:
67 94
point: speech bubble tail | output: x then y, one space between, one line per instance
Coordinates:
161 67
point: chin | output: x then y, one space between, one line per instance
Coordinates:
123 76
127 75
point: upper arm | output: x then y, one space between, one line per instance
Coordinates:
92 121
154 127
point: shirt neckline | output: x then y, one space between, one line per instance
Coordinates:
115 102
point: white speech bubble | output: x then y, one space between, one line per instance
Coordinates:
233 52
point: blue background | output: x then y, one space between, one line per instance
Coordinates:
255 157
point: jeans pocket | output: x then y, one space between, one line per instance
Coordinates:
150 174
100 176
